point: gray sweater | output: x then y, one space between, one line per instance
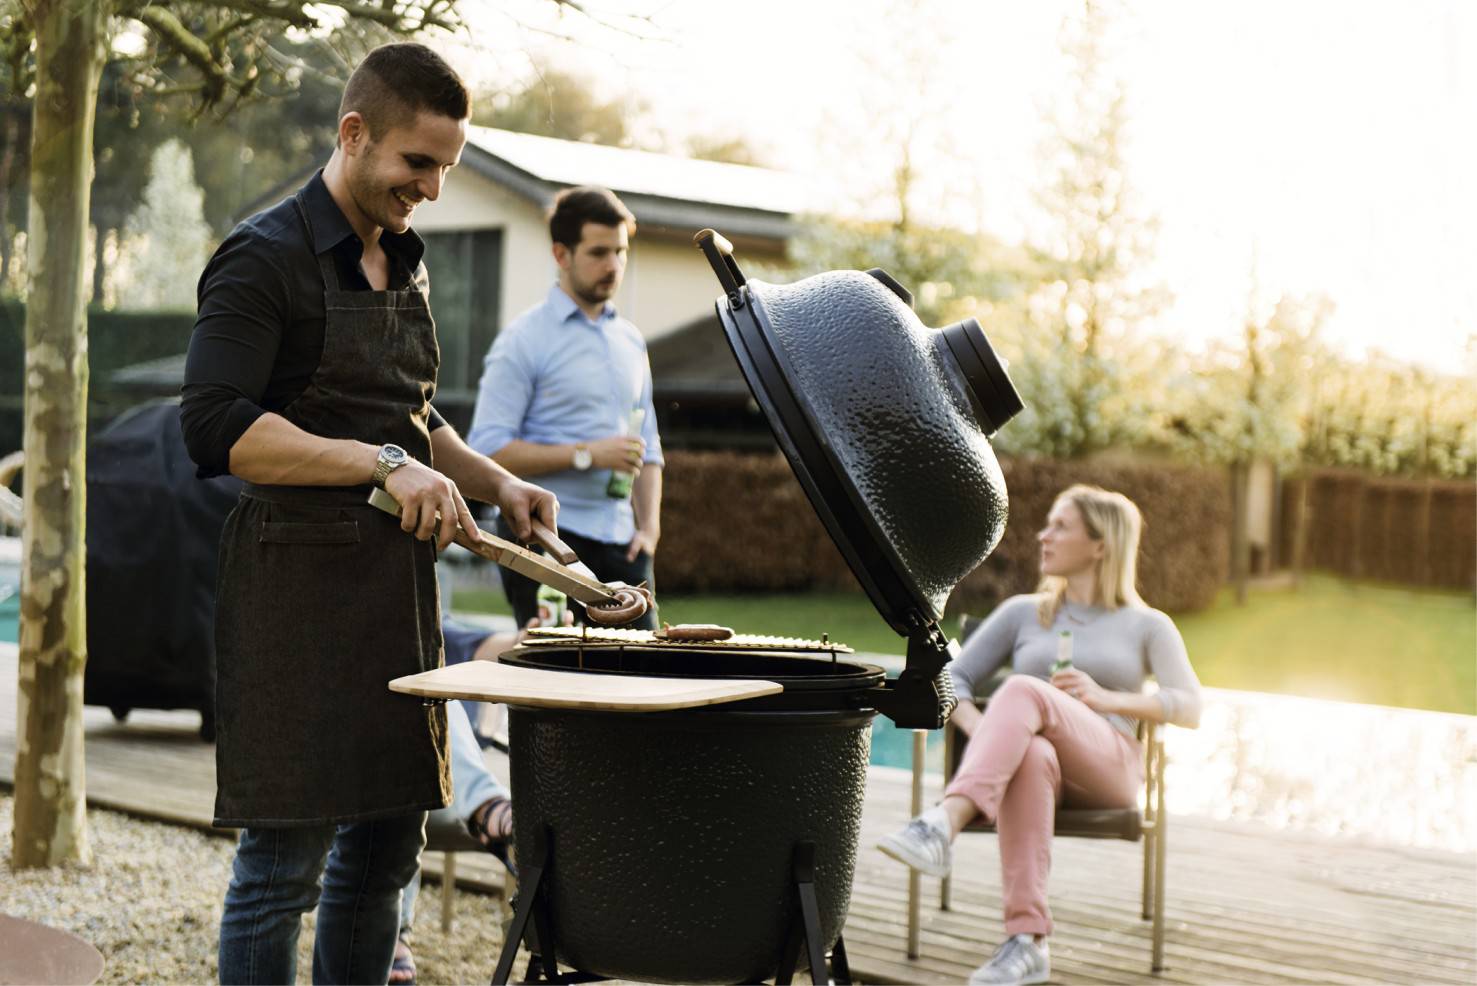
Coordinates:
1117 648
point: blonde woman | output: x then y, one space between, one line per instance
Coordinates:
1047 738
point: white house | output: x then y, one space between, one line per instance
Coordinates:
488 249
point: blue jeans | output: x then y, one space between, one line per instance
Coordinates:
353 874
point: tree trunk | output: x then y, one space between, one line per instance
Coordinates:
50 790
1300 532
1240 535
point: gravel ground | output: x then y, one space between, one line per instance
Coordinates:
151 903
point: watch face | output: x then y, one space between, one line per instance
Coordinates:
393 454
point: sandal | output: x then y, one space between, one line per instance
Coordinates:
491 824
402 969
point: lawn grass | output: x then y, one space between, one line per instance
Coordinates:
1338 639
1330 638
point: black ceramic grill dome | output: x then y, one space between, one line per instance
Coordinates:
681 846
899 421
885 423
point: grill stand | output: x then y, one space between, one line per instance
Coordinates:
534 903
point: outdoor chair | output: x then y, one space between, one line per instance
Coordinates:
1129 824
450 839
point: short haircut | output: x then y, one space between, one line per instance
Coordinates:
574 207
397 81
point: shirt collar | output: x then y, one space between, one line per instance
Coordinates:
331 227
564 306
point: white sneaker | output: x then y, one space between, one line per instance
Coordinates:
921 846
1018 960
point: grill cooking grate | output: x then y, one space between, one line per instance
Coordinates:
603 636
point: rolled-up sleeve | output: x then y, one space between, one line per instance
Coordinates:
1179 687
503 396
244 307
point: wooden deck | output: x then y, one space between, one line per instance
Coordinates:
1245 904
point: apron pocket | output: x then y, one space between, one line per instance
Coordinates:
289 532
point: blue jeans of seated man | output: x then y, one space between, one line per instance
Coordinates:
471 783
461 646
353 874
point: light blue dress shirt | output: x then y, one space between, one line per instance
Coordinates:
554 377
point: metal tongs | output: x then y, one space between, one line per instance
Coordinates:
561 570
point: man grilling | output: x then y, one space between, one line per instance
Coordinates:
309 375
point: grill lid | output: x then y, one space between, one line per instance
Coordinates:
886 423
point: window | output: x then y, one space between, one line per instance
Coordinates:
465 268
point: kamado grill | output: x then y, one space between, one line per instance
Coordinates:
688 811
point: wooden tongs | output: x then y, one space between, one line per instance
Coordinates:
561 569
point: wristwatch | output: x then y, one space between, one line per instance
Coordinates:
583 457
392 457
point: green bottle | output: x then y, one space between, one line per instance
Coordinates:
1063 652
619 487
551 606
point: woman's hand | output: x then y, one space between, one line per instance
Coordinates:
1078 685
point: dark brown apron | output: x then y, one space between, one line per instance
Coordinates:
323 599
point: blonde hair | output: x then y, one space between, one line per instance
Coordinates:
1113 519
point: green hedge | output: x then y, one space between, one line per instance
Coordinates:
1416 532
740 522
115 339
1184 556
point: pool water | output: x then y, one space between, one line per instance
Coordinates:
10 589
893 747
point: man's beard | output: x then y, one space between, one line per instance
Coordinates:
369 197
596 294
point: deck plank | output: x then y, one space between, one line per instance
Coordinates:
1246 904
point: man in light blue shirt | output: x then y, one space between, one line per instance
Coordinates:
566 396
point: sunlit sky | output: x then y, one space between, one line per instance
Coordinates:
1303 146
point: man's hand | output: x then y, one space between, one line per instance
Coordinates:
623 452
643 541
430 504
520 501
1078 685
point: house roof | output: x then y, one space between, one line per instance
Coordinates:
662 190
665 192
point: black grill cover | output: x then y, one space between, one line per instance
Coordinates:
153 533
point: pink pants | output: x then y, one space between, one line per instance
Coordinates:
1037 747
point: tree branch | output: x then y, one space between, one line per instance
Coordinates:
169 29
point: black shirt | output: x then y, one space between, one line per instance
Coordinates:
258 336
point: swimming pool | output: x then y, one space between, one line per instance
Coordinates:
10 588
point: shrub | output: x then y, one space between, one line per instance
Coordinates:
740 522
1183 559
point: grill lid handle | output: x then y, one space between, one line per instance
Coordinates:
719 251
